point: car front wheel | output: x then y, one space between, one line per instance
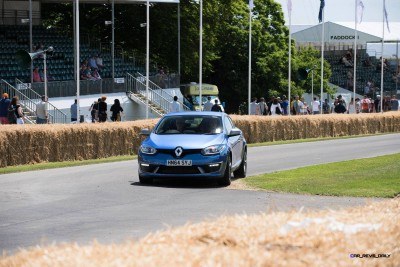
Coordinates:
226 179
242 170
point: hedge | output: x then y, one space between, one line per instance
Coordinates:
29 144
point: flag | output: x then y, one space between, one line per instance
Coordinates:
251 4
321 7
360 10
386 15
289 6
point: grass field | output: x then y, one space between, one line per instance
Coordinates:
372 177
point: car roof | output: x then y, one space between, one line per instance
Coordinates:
194 113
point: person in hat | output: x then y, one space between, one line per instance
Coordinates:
4 103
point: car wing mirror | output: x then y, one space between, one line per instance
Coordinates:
145 132
234 132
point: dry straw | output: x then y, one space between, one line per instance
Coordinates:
317 238
29 144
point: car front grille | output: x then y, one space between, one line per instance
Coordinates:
178 170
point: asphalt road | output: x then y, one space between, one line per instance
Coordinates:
106 202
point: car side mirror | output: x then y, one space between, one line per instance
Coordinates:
145 132
234 132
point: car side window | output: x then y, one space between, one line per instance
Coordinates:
233 125
228 124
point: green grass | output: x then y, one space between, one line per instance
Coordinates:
372 177
283 142
53 165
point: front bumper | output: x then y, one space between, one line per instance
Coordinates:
154 166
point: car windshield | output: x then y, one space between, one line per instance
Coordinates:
185 124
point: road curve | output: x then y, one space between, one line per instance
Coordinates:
106 202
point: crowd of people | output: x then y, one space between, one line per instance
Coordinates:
98 110
91 68
277 106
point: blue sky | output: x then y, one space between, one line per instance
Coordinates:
306 11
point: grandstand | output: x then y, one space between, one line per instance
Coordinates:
61 65
363 73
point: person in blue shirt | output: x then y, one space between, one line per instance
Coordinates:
4 103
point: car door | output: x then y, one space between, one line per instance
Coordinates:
234 141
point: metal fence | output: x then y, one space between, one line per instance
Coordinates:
68 88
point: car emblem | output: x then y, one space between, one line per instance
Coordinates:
178 151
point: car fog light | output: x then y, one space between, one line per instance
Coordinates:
213 165
144 165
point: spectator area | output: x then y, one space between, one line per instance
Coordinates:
364 73
61 65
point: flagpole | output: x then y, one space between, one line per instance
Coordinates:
383 38
355 55
249 82
322 56
201 56
290 54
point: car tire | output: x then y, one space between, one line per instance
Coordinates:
226 179
242 170
145 180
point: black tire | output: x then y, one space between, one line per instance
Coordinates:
145 180
226 179
242 170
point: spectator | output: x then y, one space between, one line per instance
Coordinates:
41 111
103 109
326 108
263 106
351 108
49 78
116 110
208 105
92 62
367 62
96 75
377 104
340 108
394 103
346 62
276 108
303 107
74 111
365 103
254 107
4 103
94 110
17 109
315 106
295 106
216 107
36 75
174 106
285 105
358 105
99 62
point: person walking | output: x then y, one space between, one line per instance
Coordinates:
208 105
315 106
94 110
15 105
4 103
263 106
216 107
254 107
103 109
42 115
276 108
74 111
116 110
174 106
394 103
351 107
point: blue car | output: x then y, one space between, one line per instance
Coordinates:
193 145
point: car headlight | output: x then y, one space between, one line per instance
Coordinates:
148 150
213 150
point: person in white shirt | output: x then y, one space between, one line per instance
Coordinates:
41 111
315 106
174 106
208 105
254 107
276 108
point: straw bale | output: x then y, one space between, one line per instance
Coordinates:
297 238
29 144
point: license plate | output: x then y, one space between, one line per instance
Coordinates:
179 162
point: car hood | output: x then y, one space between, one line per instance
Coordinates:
187 141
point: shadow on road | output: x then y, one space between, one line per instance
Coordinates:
181 183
